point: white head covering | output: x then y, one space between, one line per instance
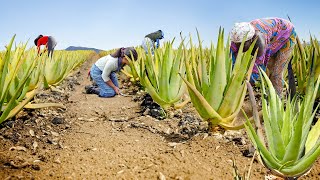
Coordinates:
239 31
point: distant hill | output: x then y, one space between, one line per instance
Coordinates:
74 48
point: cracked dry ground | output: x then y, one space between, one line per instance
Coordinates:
97 138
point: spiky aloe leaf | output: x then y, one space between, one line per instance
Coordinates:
43 105
219 80
153 93
313 136
201 104
277 146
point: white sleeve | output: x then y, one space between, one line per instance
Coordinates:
108 68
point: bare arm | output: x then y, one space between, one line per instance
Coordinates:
110 83
106 77
115 88
45 48
38 47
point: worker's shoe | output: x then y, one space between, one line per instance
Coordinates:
91 90
88 87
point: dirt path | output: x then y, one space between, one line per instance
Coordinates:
108 139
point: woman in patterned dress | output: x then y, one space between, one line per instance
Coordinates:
276 38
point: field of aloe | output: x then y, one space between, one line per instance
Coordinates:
24 73
286 139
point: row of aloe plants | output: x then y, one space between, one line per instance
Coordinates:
23 73
62 65
217 89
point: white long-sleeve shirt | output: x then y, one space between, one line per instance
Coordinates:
107 64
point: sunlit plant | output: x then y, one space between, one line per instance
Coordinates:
136 68
292 145
21 72
14 93
302 60
61 65
216 88
161 75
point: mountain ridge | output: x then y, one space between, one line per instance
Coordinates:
75 48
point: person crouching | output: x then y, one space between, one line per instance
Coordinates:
103 72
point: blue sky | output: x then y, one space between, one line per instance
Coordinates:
108 24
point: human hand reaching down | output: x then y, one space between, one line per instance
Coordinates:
116 89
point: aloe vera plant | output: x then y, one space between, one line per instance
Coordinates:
135 69
14 93
216 88
291 147
29 57
58 68
20 75
161 75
